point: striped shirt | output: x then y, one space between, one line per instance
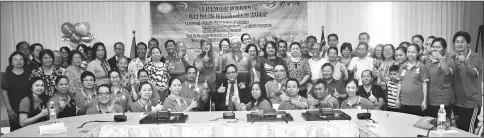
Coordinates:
392 94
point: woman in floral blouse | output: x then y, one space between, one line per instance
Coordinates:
74 71
157 70
126 77
298 67
48 73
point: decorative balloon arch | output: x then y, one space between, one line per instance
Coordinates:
76 33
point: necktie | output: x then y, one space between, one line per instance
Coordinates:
231 94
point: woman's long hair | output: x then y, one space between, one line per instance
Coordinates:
258 100
210 52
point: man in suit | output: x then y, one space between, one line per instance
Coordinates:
119 52
231 91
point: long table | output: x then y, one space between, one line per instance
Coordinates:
388 124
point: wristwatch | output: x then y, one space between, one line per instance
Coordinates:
290 99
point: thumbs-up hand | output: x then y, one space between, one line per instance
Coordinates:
355 69
44 111
222 89
342 69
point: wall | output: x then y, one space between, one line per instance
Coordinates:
387 22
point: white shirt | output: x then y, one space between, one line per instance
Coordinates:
316 72
361 64
236 93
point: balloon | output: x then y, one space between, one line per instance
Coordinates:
75 38
82 28
88 39
67 28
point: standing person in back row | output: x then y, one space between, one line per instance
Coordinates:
467 82
99 66
441 67
119 52
413 77
361 62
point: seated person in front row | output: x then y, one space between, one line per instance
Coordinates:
104 102
275 88
120 94
176 103
228 88
31 109
193 89
64 104
135 87
318 96
257 101
86 98
144 103
291 100
354 100
371 91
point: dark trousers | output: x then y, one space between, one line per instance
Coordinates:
467 118
13 122
434 110
412 109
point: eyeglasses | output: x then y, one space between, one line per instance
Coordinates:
103 94
118 48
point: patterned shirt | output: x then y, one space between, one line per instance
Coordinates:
298 70
75 84
125 80
159 76
134 66
392 94
49 80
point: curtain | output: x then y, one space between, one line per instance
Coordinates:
394 22
39 22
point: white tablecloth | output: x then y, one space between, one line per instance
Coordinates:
310 129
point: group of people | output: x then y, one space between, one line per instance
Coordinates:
245 75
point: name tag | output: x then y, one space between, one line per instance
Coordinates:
54 128
403 72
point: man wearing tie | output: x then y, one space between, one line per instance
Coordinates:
119 52
230 91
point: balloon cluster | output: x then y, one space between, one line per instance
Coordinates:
77 32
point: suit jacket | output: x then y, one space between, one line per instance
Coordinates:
113 63
219 98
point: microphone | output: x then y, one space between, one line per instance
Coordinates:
120 118
447 121
229 115
365 116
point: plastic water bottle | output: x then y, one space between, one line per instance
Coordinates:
441 118
52 113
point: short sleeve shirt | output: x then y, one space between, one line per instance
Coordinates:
159 76
412 79
441 89
16 86
373 95
468 88
289 106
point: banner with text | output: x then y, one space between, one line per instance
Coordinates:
191 21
